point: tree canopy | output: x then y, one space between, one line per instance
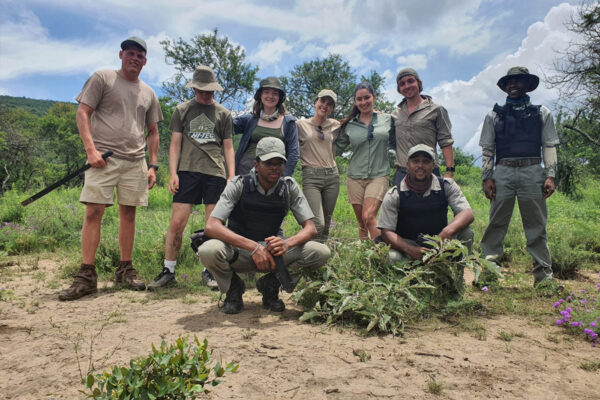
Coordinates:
227 60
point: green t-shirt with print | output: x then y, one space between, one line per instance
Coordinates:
203 130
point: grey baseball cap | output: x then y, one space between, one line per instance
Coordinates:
270 147
405 72
204 79
136 41
327 93
421 148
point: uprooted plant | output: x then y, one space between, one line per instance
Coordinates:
359 286
177 371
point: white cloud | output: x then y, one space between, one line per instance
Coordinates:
469 101
416 61
270 52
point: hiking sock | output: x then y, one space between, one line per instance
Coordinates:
170 265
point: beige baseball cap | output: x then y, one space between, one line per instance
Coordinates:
270 147
328 93
421 148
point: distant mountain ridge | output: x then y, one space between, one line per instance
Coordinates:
33 106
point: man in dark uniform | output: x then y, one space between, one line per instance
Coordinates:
419 205
254 207
517 135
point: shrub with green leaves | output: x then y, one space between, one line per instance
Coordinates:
178 371
358 285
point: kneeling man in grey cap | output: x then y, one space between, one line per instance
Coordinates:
419 205
254 207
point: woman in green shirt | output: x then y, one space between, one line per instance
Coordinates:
370 135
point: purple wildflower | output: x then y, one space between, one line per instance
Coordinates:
575 323
593 324
556 305
484 289
559 322
184 276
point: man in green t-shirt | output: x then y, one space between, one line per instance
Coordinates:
201 147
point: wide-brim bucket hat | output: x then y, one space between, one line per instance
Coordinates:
204 79
531 81
270 83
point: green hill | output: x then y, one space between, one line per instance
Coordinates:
33 106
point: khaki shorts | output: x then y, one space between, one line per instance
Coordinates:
360 189
129 177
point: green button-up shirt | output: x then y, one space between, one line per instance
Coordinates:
369 158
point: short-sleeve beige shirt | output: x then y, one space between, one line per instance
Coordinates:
122 110
316 152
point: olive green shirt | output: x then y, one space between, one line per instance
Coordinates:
369 158
203 129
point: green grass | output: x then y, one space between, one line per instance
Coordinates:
51 226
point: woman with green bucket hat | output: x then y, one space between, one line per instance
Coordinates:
268 118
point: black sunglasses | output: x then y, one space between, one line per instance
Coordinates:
321 135
370 132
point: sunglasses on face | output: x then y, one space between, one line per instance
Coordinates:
320 134
370 132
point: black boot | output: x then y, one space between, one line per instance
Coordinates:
233 299
268 285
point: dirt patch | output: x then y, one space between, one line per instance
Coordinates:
279 357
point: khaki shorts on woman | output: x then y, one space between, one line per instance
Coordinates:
360 189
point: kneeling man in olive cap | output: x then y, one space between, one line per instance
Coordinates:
517 135
254 207
419 205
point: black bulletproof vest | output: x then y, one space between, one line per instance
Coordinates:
518 132
418 214
257 216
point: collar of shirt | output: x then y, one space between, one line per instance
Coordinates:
258 186
435 185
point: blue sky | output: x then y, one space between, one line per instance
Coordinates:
460 47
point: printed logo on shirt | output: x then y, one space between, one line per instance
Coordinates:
202 130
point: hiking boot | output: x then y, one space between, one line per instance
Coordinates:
127 276
209 280
165 278
268 285
84 283
233 299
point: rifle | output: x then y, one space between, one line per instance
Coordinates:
62 181
424 241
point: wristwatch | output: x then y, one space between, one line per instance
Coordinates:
450 169
155 166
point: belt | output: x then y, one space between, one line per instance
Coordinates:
519 162
320 171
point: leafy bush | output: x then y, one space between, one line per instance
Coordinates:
172 372
359 286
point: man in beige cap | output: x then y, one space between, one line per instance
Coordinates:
518 135
254 207
201 148
419 205
115 109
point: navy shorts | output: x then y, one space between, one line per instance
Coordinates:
198 188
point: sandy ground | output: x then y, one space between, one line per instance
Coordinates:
279 357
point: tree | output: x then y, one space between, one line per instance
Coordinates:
306 80
578 79
578 68
227 60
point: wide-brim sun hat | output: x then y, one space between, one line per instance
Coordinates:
204 79
522 73
270 83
